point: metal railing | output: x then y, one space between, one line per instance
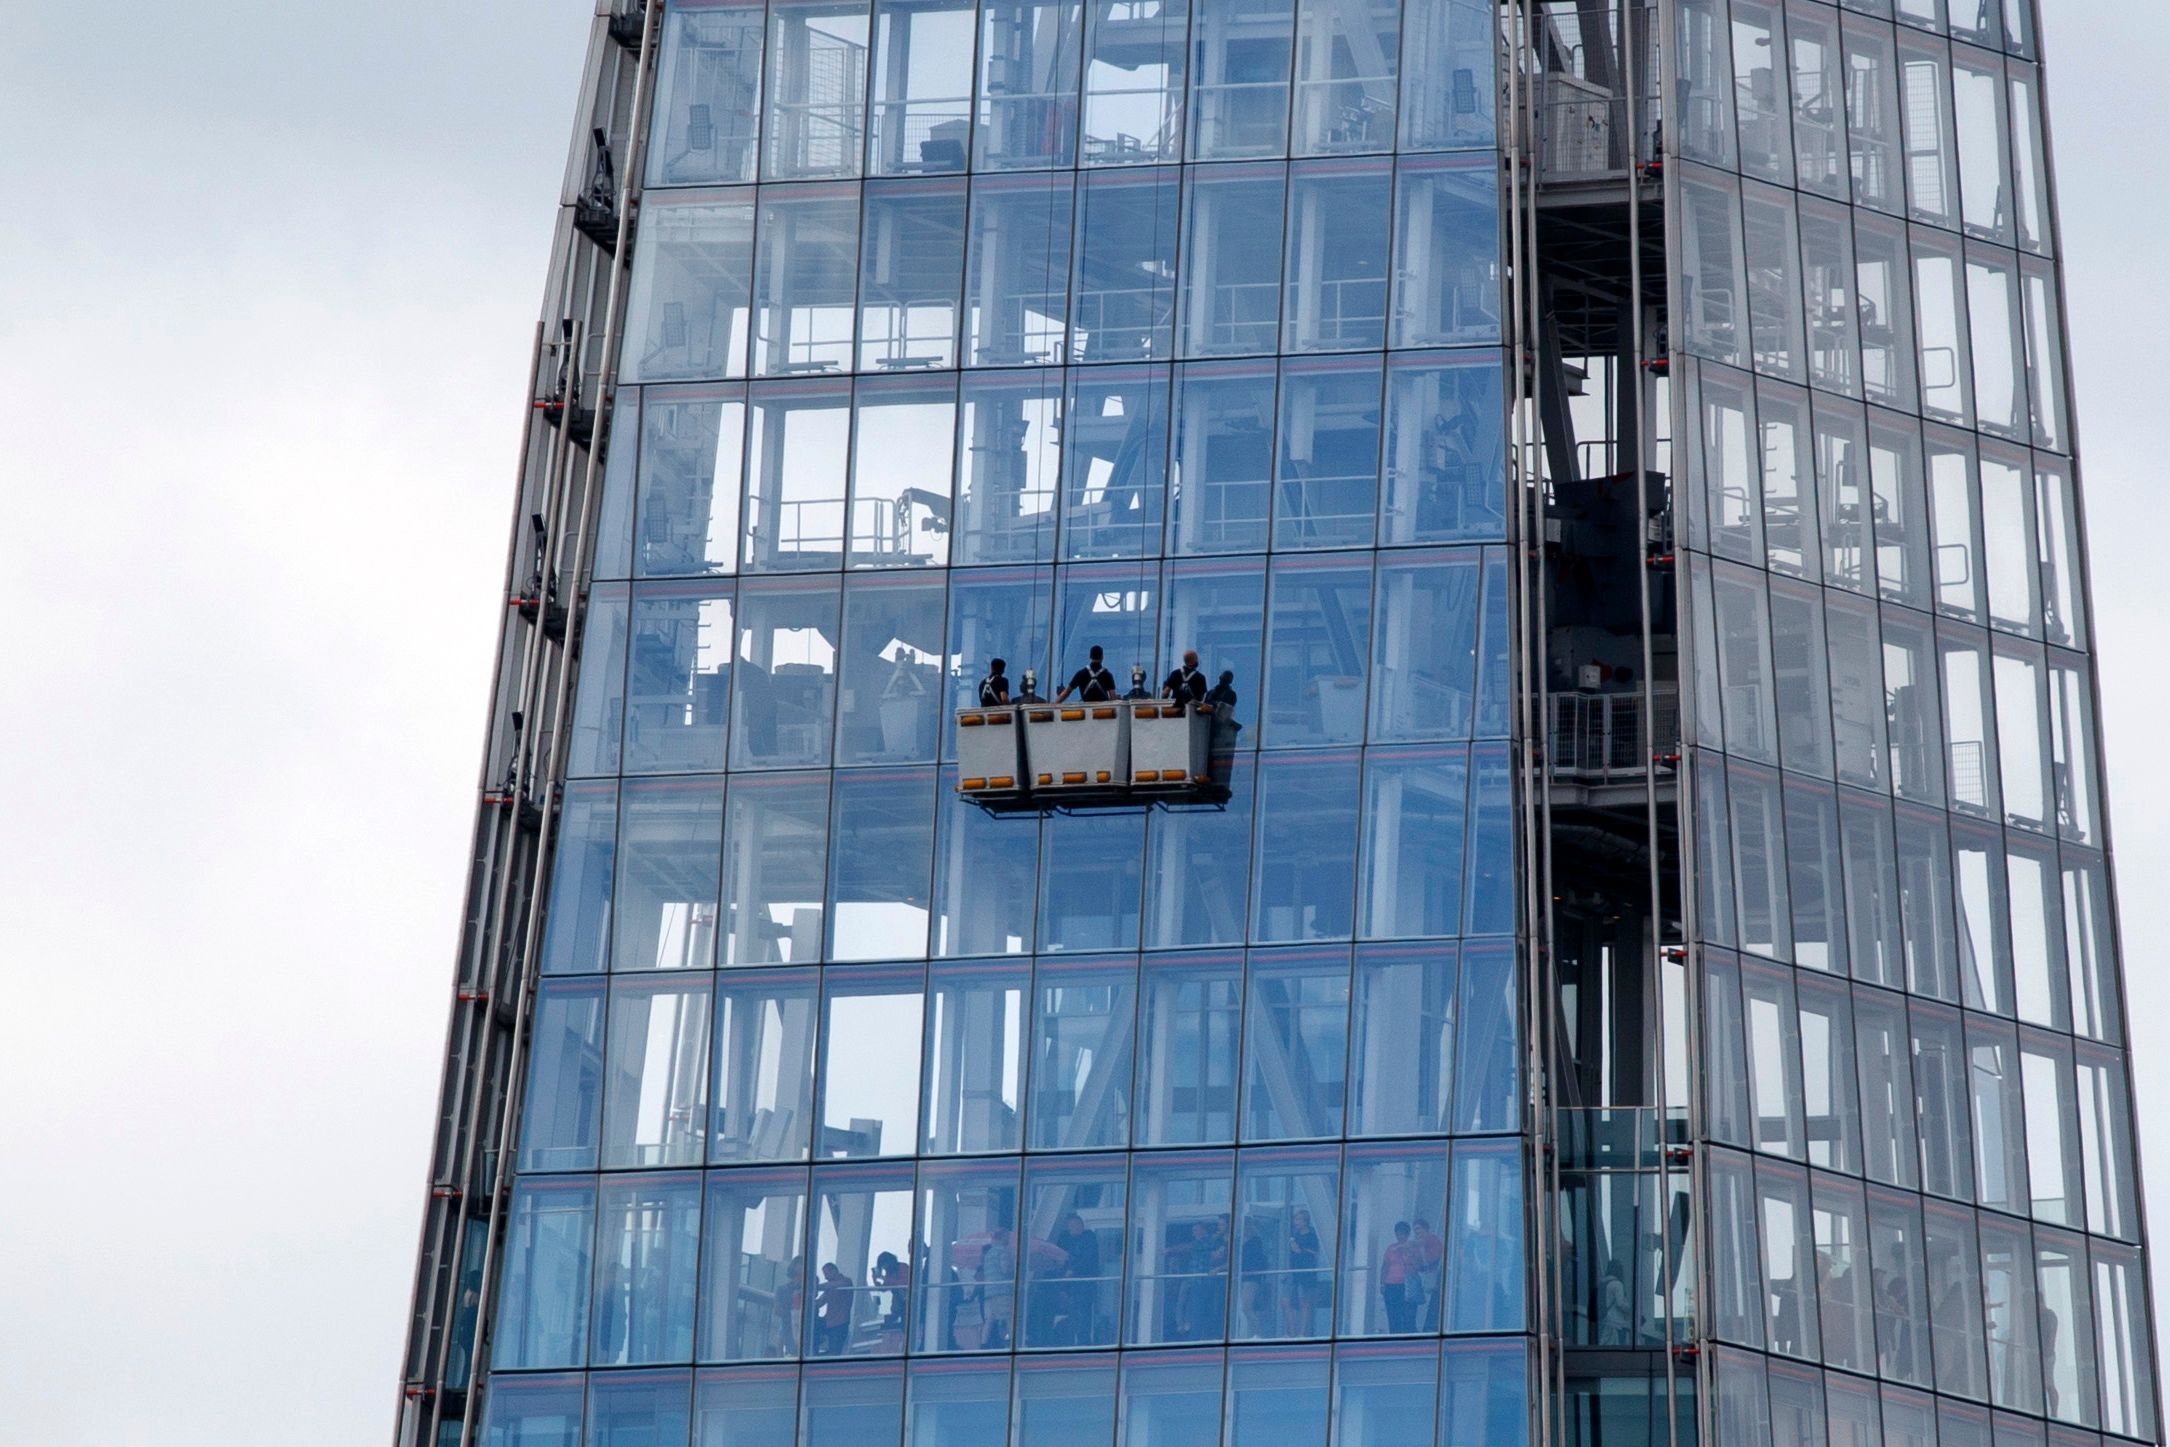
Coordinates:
1602 737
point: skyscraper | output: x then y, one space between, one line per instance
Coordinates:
1634 960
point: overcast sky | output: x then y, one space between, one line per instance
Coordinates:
268 279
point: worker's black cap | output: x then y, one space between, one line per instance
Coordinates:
996 665
1094 651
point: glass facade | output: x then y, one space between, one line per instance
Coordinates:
855 1113
1920 1155
1645 968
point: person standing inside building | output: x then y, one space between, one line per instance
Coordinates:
1092 683
1223 693
995 687
1399 1265
1185 684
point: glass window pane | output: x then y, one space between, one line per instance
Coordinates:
1932 171
1858 707
1446 258
1941 298
1171 1399
862 1278
958 1404
1197 888
1771 234
1885 1054
1449 94
1927 917
1072 1264
1985 945
1017 270
2052 1129
1703 81
1941 1103
1485 1262
2032 192
891 683
562 1105
1819 99
678 680
687 316
1286 1227
881 846
1424 647
1346 59
1760 93
1295 1044
1188 1033
708 94
1789 1283
1488 1088
1231 292
670 838
784 694
1827 1075
1872 115
968 1251
1902 1307
1239 79
911 265
1999 342
1381 1268
975 1059
1326 464
1985 148
655 1094
1134 57
1411 882
1911 706
815 122
1900 505
1955 512
576 930
841 1406
1179 1253
2014 1317
1844 1286
1956 1332
1009 453
1084 1018
2106 1149
1002 613
747 1408
1844 496
647 1245
1774 1053
1337 243
599 703
805 276
532 1412
1445 450
1115 463
2070 1381
764 1089
2042 993
1028 82
686 519
1111 607
2125 1350
1743 1408
870 1039
1305 865
1828 279
2045 356
1222 458
1318 642
1124 289
798 458
775 859
1276 1396
2064 597
1801 683
922 112
542 1313
1713 271
1091 880
1886 300
1818 878
1218 609
1386 1395
2023 753
1728 495
1400 1040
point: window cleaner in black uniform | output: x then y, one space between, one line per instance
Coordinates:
1092 683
